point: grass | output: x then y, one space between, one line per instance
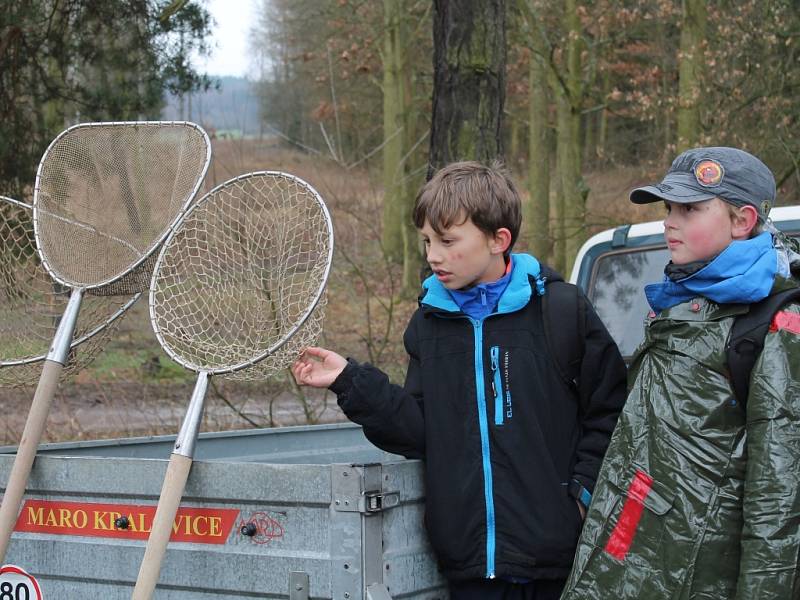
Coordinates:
120 364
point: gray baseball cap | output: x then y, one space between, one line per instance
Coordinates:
733 175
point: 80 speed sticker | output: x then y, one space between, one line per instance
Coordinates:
16 584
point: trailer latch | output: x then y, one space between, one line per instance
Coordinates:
377 501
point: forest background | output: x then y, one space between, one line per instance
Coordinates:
582 100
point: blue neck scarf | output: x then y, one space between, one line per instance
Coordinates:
481 300
743 273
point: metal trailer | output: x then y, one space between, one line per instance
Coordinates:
297 513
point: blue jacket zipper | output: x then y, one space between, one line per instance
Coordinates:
487 463
497 385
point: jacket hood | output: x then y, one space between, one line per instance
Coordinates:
527 274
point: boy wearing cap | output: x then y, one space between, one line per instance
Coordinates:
698 495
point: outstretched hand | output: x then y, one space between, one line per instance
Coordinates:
318 367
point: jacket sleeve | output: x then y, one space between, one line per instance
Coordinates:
392 416
602 391
770 543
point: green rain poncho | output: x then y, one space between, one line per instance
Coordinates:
699 498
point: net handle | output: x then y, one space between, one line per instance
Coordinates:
165 233
35 422
23 463
168 503
180 463
287 336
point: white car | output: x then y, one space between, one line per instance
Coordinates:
613 267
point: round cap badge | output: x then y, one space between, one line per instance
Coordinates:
708 172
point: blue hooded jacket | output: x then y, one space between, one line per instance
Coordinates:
501 433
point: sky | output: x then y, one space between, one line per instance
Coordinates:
229 38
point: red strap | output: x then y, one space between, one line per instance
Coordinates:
785 320
621 538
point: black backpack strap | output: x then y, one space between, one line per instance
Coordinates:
746 340
564 317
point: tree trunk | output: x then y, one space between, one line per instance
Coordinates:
690 72
573 188
664 117
536 219
513 144
394 133
469 81
413 259
602 118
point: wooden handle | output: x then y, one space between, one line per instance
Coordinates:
171 493
31 436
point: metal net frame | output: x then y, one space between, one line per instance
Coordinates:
32 304
238 289
107 195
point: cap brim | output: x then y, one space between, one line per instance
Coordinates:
674 192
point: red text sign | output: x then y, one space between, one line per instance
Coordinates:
196 525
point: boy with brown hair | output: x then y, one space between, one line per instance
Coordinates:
511 448
699 494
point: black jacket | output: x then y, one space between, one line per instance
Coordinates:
502 435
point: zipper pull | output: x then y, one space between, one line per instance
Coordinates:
483 296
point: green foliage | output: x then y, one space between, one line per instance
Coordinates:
87 60
136 365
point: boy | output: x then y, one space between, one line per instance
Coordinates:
509 448
699 495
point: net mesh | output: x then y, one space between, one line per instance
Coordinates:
106 195
32 303
241 273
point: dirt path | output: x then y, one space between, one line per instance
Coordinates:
125 409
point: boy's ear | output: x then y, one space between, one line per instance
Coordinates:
501 241
743 222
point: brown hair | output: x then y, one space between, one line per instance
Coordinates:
470 190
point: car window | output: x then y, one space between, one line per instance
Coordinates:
617 292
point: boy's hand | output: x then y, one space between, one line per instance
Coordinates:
318 367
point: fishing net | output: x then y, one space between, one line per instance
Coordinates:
238 289
106 196
32 303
